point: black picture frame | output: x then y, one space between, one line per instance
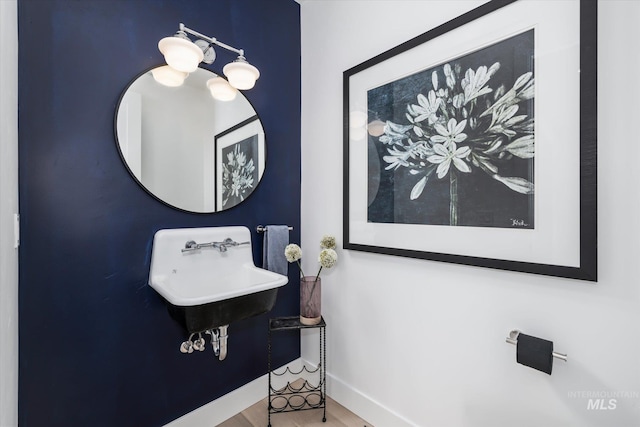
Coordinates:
582 242
245 138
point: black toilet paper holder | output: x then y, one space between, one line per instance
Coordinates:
513 339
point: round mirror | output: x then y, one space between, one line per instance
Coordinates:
186 148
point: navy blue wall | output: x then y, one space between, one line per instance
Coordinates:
97 346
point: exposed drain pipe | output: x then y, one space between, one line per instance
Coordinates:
215 341
219 338
222 354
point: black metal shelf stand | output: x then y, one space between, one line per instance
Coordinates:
295 396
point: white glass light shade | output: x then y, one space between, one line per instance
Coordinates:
169 76
181 54
241 74
357 119
376 127
221 89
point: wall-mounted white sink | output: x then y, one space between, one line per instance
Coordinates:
208 278
186 287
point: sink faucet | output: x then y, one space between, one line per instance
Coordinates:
221 246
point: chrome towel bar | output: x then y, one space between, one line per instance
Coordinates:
262 229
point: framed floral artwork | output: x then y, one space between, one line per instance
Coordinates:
475 142
239 159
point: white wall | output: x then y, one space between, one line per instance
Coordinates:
8 206
414 342
172 147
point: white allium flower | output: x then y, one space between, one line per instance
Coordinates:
292 252
328 258
328 242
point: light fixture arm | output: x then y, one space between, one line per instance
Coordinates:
185 55
211 40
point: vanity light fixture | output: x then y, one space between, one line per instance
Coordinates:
169 76
181 53
184 55
241 74
221 89
376 127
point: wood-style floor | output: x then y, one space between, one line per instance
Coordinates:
256 416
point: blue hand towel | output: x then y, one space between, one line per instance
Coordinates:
276 238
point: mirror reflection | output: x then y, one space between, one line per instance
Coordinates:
186 148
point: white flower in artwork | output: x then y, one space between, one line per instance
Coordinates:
447 154
426 108
451 134
237 176
468 124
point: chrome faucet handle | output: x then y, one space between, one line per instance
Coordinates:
187 346
230 242
221 246
199 343
190 246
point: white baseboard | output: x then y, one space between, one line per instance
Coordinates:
225 407
364 406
